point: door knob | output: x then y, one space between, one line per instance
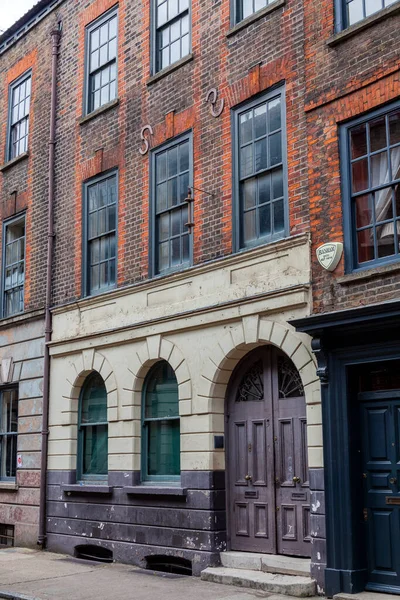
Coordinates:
296 479
248 477
392 480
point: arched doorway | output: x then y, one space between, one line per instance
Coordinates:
268 503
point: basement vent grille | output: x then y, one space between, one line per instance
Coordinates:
92 552
6 535
169 564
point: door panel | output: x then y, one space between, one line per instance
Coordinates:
380 452
292 491
267 448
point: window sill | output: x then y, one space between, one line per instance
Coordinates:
6 486
161 74
253 18
353 30
77 488
368 274
99 111
14 161
156 490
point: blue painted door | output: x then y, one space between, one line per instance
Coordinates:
380 423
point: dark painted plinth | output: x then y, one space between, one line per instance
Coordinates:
134 526
317 527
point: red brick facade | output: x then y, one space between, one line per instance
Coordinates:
253 59
344 79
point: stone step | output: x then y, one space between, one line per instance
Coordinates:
289 585
366 596
268 563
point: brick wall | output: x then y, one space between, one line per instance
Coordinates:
355 75
265 53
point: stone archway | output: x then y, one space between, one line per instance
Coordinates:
241 337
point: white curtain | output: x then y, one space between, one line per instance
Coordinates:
383 198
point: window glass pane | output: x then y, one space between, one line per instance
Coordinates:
94 278
184 157
94 400
185 45
372 6
94 252
175 51
163 227
163 256
175 251
111 272
275 148
247 8
365 245
265 220
175 31
94 60
259 4
264 188
162 16
185 246
249 228
246 161
360 175
161 398
277 183
249 193
394 127
385 240
355 11
279 216
162 194
246 127
163 451
363 211
260 149
172 161
274 115
260 121
379 169
176 222
358 141
94 39
377 132
173 9
173 192
95 450
112 27
184 187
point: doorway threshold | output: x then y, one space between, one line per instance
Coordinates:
268 563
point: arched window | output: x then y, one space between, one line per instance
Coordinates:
93 430
161 425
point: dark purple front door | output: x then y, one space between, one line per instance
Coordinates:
268 492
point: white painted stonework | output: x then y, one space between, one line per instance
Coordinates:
202 321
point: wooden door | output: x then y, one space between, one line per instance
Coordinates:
250 462
268 509
380 429
291 464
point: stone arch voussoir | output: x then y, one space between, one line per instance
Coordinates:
238 340
157 348
77 369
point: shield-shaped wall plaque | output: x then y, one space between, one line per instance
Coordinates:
329 255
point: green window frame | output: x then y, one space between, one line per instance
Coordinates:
160 425
18 116
260 209
101 61
13 281
351 12
8 433
93 430
100 234
171 176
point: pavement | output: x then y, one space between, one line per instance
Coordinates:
34 575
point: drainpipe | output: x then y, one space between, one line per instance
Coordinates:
55 41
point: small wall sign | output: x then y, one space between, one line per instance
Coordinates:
19 461
329 255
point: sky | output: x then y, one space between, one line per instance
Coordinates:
12 10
